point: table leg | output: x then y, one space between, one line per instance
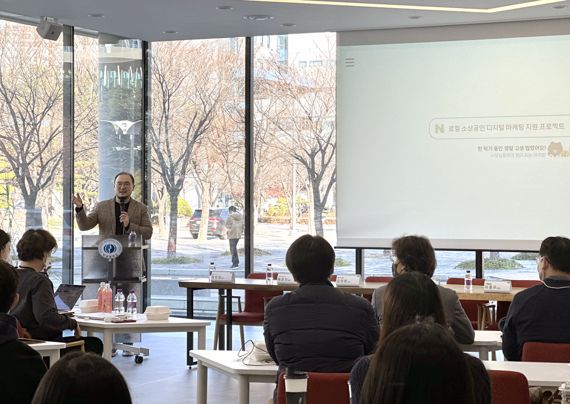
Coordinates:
484 353
243 395
53 357
108 344
202 338
202 388
222 330
229 319
189 335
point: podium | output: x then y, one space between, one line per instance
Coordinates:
125 271
111 259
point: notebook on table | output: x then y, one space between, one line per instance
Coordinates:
66 296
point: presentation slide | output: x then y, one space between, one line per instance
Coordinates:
465 142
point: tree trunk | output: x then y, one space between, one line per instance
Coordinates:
311 219
318 207
172 233
33 214
205 202
318 219
162 212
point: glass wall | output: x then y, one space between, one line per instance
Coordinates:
31 128
294 145
86 120
197 146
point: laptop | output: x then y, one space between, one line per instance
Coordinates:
66 296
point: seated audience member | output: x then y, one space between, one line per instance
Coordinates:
5 243
542 313
5 247
415 254
82 378
21 367
410 297
317 328
419 363
37 310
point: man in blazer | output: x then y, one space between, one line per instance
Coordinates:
119 215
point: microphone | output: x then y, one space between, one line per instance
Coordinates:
123 209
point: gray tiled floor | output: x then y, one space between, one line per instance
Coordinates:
163 377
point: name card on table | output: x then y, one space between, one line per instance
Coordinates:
223 276
497 286
285 279
348 280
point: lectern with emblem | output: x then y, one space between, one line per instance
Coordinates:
113 259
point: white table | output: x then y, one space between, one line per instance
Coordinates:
49 349
537 373
227 362
142 325
485 342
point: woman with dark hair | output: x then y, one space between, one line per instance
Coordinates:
415 254
36 309
419 363
5 247
408 298
82 378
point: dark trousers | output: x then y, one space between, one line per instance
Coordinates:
233 250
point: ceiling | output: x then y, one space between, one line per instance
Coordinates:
192 19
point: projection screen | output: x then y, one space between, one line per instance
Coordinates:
460 134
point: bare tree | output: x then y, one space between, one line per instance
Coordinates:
304 122
30 112
86 118
187 88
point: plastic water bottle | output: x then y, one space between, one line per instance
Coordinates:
100 297
269 274
107 298
119 302
211 268
468 282
132 239
132 303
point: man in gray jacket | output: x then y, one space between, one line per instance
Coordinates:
234 225
414 253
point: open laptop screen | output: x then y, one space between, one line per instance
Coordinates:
66 296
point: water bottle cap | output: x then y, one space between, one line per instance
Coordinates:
119 290
211 263
132 291
268 265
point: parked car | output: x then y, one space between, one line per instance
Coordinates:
216 222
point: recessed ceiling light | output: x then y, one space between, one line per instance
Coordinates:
258 17
96 15
415 17
560 6
288 25
170 32
224 8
